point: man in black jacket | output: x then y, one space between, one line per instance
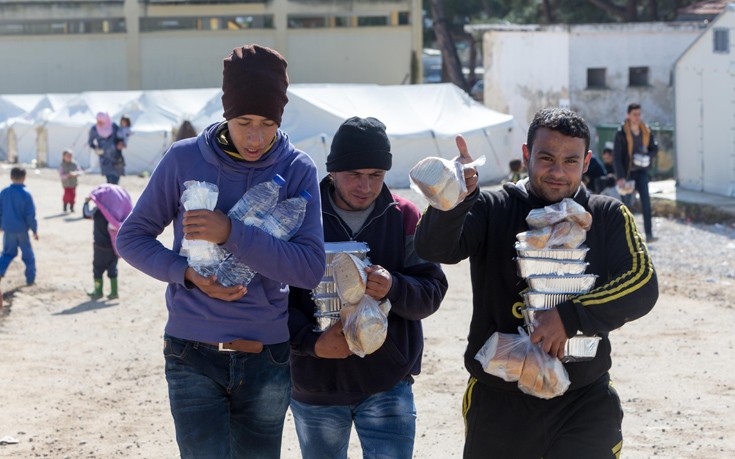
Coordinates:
633 153
503 422
331 387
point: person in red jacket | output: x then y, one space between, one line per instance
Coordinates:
332 388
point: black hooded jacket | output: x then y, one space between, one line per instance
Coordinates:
484 228
417 291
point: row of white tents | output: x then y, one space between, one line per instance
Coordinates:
422 121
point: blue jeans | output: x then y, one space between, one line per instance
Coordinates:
385 423
11 243
227 404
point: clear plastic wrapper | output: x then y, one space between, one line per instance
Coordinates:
566 209
567 234
539 266
580 348
349 277
203 256
536 238
441 181
365 326
514 358
542 376
231 272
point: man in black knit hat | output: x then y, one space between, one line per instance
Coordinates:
332 388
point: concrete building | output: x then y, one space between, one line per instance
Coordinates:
594 69
705 109
50 46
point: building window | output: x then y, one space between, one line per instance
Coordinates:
318 22
638 76
596 78
721 40
163 24
63 26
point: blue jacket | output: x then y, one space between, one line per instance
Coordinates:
417 291
17 212
262 313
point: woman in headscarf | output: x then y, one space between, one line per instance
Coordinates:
103 138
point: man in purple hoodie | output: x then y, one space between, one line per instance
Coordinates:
226 348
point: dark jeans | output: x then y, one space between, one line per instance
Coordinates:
112 178
641 186
227 404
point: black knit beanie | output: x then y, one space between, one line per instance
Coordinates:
254 82
360 143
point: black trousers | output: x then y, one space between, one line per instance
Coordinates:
104 259
581 424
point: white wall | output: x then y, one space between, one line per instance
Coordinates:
705 113
525 72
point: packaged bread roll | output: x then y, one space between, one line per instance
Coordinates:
566 234
364 325
537 238
440 181
350 277
502 355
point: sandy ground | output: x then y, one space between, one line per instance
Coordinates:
84 378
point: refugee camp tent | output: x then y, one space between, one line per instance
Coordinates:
421 120
17 133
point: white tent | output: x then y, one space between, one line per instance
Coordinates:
422 120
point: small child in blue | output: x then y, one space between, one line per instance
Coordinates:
17 216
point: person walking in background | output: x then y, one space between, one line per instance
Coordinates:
606 183
69 170
227 352
17 217
633 153
332 388
112 207
185 131
501 420
103 139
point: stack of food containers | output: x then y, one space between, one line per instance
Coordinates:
328 303
553 276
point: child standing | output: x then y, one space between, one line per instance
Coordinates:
69 170
113 205
17 216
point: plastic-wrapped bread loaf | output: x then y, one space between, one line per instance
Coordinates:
568 235
537 238
364 325
350 277
439 181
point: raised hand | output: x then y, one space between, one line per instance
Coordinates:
470 173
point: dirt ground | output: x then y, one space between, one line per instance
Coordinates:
83 378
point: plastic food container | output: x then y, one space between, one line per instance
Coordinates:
577 254
536 266
581 283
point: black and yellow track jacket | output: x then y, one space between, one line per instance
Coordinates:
484 226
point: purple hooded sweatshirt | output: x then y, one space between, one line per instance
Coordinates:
115 204
262 314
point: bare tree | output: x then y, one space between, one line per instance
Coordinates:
450 57
627 13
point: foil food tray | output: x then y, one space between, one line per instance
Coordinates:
533 299
577 254
580 348
581 283
538 266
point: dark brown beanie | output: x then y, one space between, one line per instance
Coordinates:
254 82
360 143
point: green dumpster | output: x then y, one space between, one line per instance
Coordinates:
663 165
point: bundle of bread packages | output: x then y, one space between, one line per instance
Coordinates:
364 319
551 258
